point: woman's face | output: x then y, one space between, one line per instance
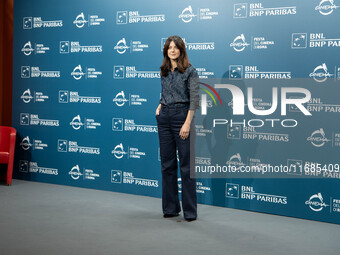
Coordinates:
173 51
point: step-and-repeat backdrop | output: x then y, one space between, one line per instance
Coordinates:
86 84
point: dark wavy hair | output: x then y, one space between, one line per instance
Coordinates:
182 61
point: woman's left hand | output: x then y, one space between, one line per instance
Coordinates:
184 133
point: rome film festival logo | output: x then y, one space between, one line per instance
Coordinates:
77 73
25 143
316 203
75 172
187 15
27 49
80 20
121 46
326 7
24 119
320 73
239 43
76 122
318 138
236 161
118 151
120 99
26 96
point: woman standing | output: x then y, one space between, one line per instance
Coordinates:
174 114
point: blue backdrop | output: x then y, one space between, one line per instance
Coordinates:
86 85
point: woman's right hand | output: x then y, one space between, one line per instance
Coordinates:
158 109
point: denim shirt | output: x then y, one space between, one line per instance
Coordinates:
180 87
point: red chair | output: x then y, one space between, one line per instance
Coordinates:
7 148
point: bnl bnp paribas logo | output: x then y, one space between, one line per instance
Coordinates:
257 10
92 20
35 72
37 22
238 72
130 72
66 47
316 40
326 7
130 17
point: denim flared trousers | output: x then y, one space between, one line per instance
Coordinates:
170 121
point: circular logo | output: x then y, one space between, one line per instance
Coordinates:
187 15
27 49
235 161
76 122
77 72
318 138
316 203
121 46
239 43
80 20
26 96
320 73
120 99
326 7
119 151
75 172
25 143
